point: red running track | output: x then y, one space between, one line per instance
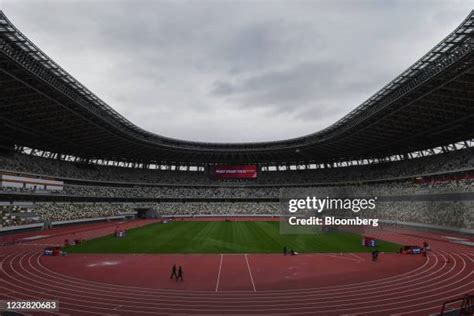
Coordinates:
319 284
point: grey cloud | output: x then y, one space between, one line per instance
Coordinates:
296 88
222 88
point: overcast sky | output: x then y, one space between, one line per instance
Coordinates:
232 71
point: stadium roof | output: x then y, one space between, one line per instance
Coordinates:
430 104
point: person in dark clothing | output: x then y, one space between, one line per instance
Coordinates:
173 272
285 251
180 274
375 255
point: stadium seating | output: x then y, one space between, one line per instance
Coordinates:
106 188
454 161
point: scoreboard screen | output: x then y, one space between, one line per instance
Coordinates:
234 172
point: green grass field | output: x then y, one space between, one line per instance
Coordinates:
224 237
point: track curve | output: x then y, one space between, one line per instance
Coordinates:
447 273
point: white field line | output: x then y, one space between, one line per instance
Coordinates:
219 273
250 272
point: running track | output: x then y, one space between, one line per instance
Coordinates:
447 273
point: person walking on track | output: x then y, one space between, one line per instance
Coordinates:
180 274
173 272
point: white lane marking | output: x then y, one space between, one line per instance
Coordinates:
219 273
250 272
358 257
